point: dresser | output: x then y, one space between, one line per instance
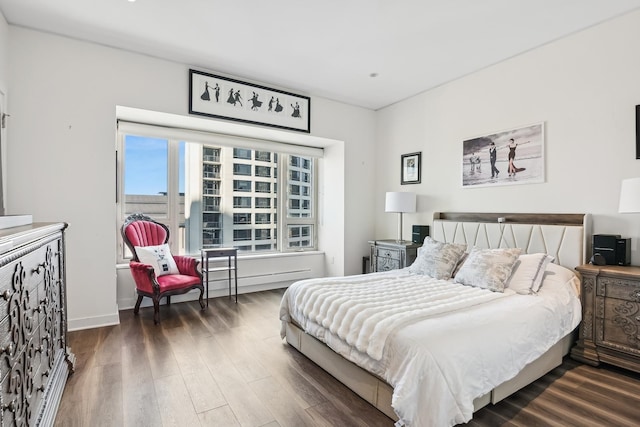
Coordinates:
391 254
610 328
34 358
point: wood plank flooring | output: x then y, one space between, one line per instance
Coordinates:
227 366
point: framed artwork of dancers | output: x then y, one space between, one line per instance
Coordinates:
226 98
508 157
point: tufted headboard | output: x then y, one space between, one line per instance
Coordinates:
564 236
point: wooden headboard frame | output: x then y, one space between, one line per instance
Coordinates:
564 236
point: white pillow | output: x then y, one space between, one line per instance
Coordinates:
437 259
528 273
159 257
487 268
557 275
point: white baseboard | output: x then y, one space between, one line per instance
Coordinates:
93 322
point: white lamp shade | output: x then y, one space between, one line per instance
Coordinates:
400 202
630 196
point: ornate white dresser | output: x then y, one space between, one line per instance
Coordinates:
34 358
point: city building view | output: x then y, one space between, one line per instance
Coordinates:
227 197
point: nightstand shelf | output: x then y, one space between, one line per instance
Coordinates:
391 254
610 328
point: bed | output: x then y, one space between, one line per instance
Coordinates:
430 351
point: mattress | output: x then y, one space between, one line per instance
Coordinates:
438 357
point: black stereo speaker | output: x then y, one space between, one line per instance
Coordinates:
612 249
623 251
419 232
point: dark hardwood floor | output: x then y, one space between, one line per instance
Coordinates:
227 366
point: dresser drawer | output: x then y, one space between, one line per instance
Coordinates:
387 253
620 324
628 290
386 264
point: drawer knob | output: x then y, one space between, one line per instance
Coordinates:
636 295
38 268
8 349
11 406
7 295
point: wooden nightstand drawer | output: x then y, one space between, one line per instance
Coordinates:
628 290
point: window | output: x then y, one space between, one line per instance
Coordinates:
210 220
263 218
263 187
242 218
214 195
263 156
263 234
242 202
241 169
239 235
241 153
263 171
211 154
263 202
239 185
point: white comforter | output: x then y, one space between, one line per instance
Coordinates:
438 352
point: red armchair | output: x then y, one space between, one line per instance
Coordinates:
140 230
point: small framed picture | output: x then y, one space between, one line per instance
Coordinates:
410 168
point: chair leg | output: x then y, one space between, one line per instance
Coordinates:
201 301
156 311
136 309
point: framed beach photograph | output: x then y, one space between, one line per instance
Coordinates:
410 168
508 157
226 98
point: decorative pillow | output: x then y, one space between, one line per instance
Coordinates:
557 275
159 257
488 268
437 259
528 273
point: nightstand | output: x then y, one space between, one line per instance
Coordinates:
392 255
610 328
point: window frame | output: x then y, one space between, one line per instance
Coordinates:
279 221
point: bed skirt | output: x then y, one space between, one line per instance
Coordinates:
378 393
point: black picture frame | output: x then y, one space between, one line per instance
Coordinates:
637 131
222 97
411 168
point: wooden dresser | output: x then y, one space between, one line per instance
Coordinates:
610 328
392 255
34 358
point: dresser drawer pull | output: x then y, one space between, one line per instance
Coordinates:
8 349
11 407
636 295
7 295
38 268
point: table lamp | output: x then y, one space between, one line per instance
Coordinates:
630 196
400 202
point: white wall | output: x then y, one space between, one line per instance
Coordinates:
63 98
584 87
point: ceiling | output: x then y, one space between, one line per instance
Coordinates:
370 53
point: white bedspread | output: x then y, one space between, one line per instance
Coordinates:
438 355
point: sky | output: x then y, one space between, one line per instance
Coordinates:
145 165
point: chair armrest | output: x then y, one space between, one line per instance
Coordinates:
187 265
144 276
